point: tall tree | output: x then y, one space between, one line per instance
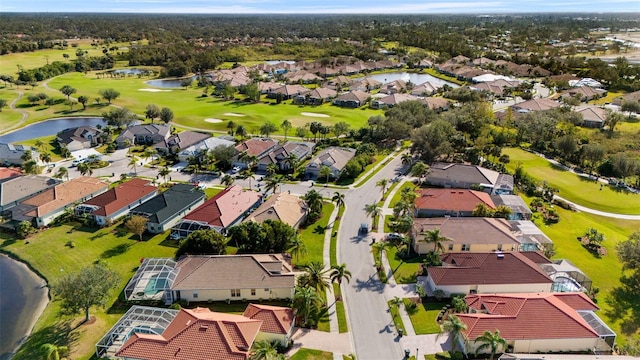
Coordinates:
325 172
54 352
152 112
68 91
109 95
297 248
265 350
338 199
628 252
285 126
166 115
83 100
307 302
119 117
454 327
315 276
133 163
203 242
227 180
85 169
338 273
492 341
232 127
267 128
373 211
164 172
382 184
420 170
86 288
137 224
314 203
62 173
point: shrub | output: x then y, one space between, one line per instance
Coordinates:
70 244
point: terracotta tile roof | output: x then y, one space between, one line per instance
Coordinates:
356 95
9 172
285 207
537 104
224 208
16 188
536 256
196 334
452 199
121 196
275 319
487 268
233 272
467 230
256 146
529 316
64 194
593 114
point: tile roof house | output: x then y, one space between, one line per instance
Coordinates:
392 100
632 96
425 89
117 201
266 87
178 142
6 173
366 84
227 208
167 208
593 116
237 277
77 138
538 322
536 104
471 234
143 134
42 208
394 87
486 273
195 334
11 154
352 99
317 96
287 91
584 93
464 176
257 147
437 104
338 82
284 207
434 202
333 157
277 322
279 155
14 189
207 144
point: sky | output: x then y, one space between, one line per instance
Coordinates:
317 7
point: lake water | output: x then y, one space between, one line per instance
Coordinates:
48 128
23 297
171 83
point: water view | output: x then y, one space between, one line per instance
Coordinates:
23 297
48 128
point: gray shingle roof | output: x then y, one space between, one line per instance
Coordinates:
166 205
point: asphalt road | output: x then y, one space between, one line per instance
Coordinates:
371 326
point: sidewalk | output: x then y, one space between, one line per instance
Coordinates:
336 343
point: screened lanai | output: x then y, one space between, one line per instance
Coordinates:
153 280
139 319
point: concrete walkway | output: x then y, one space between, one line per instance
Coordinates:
336 343
598 212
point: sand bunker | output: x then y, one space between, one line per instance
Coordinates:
314 114
154 90
234 114
211 120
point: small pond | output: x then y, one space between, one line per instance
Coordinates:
171 83
48 128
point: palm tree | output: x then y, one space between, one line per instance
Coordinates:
314 202
45 157
272 183
286 126
250 176
434 237
164 172
338 199
402 208
492 341
231 126
373 210
382 183
133 163
315 277
407 160
148 152
53 352
85 169
408 195
62 172
292 162
40 145
339 273
297 248
325 172
503 211
265 350
65 152
227 180
306 301
419 170
482 210
454 326
272 169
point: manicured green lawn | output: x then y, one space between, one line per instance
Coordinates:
46 253
313 238
395 315
333 253
573 187
605 272
191 109
8 117
398 195
340 312
404 271
310 354
424 320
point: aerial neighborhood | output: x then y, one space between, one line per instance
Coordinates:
378 195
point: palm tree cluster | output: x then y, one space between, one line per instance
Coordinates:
314 204
307 299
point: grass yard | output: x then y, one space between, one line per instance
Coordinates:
310 354
313 238
573 187
404 271
333 246
398 195
395 315
118 249
8 117
190 108
424 319
620 309
340 312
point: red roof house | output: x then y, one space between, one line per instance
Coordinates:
450 202
117 201
538 322
222 211
277 322
196 334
